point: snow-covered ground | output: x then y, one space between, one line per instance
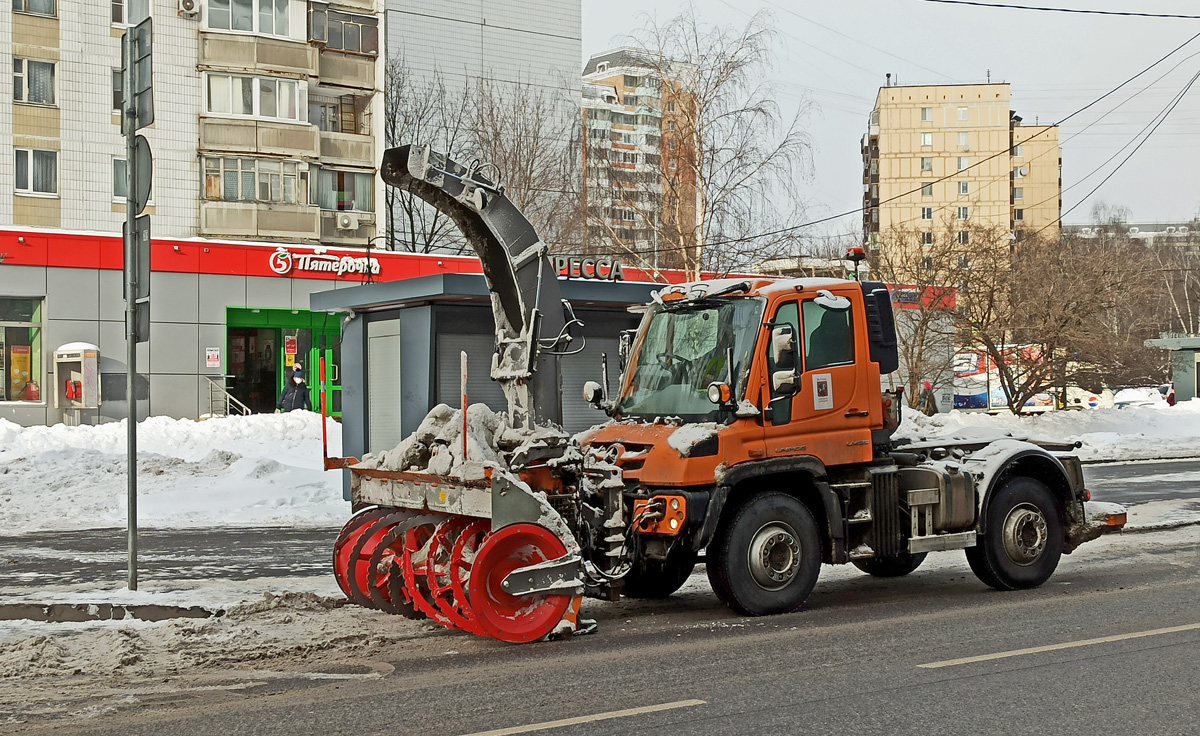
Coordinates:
266 469
258 470
1131 433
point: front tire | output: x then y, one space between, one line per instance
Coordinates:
766 558
1024 539
891 567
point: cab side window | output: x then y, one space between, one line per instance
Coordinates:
828 336
781 404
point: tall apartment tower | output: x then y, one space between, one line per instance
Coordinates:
948 157
268 114
638 157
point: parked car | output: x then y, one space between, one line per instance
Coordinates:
1139 396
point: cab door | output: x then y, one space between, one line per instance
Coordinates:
828 415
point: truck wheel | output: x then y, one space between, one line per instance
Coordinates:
660 578
766 559
891 567
1024 538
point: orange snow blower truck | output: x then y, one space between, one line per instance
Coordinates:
748 424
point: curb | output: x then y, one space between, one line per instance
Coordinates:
1162 526
80 612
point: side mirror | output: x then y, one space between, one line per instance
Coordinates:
783 346
785 382
593 393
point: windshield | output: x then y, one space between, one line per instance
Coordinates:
680 351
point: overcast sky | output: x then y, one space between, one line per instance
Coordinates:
1055 62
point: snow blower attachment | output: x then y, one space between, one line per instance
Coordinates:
451 526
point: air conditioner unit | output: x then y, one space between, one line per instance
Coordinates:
189 7
347 221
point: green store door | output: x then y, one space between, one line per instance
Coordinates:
267 346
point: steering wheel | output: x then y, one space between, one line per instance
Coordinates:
669 360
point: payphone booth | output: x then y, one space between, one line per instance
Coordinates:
77 379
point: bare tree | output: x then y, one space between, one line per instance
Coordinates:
520 135
731 163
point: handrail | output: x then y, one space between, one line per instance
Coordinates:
217 392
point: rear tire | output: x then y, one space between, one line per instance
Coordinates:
891 567
660 578
1024 539
766 558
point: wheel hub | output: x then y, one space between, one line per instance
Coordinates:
1025 534
774 556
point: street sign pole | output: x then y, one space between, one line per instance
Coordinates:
138 112
130 309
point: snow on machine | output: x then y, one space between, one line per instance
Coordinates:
748 423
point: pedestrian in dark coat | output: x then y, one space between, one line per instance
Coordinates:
295 394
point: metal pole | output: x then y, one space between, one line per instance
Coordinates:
130 311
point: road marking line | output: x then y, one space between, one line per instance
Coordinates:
1056 647
589 719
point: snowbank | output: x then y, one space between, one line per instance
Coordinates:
1130 433
255 470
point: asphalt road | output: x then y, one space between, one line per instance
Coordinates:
1140 482
865 656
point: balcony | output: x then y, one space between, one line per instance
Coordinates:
347 70
248 135
347 148
259 220
257 54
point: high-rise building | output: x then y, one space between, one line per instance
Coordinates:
639 158
950 157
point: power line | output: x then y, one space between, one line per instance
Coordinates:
1063 10
1182 92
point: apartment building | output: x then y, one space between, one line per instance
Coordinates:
268 114
639 157
941 159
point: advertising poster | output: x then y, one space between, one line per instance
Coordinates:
212 357
18 371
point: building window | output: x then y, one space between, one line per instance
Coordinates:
120 180
1018 151
926 213
268 17
40 7
357 34
33 81
874 169
964 141
37 171
671 126
927 263
964 262
631 81
964 213
963 189
266 97
672 144
344 190
670 107
1019 235
927 139
963 163
927 237
1018 193
20 349
130 12
962 237
926 114
118 90
1018 215
926 190
671 164
1020 172
962 113
926 164
250 180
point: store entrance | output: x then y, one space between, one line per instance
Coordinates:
253 361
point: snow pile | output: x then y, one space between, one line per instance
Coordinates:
437 445
1130 433
255 470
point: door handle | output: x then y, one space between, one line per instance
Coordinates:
857 414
